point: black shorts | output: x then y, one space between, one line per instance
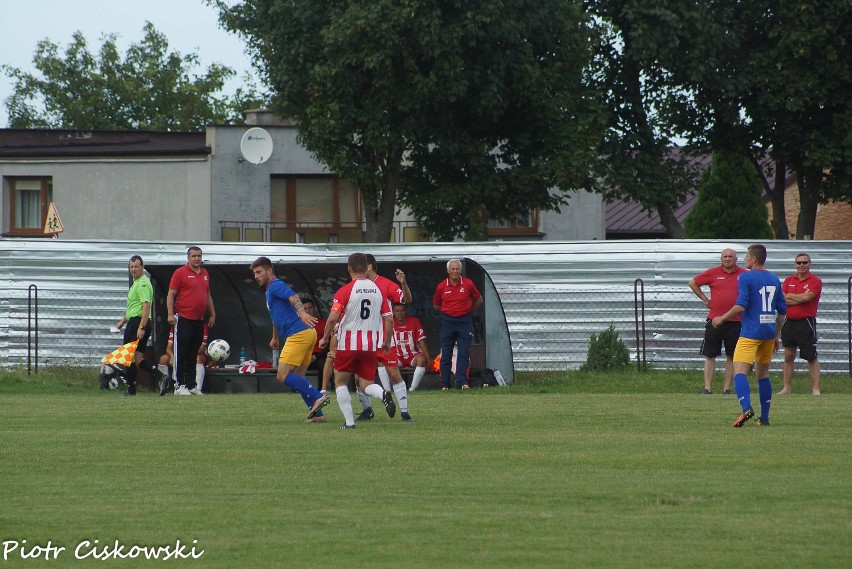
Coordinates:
801 333
131 333
728 334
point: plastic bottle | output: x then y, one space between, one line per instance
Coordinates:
242 355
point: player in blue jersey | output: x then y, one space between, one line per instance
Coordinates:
291 322
761 303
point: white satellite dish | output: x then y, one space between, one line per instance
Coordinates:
256 145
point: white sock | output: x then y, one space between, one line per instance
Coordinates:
419 372
199 376
383 377
164 369
344 401
374 390
401 396
364 399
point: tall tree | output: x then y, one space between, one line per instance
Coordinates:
638 162
149 88
729 204
772 79
460 111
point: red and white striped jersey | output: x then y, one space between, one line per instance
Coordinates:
362 307
392 293
407 336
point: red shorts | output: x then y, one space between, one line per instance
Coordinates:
407 361
388 359
362 364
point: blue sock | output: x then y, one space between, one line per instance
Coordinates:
743 390
301 386
764 388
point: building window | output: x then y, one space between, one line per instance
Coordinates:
30 198
520 224
315 206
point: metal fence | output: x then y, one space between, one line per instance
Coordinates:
550 326
662 326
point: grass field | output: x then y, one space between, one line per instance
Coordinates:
576 471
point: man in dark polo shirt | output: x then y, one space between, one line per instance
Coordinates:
456 297
188 303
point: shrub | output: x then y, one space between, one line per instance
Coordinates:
606 352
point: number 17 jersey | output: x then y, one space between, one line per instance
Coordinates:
362 307
761 296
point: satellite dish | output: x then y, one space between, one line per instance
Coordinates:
256 145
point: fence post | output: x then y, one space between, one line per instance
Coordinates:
32 327
639 305
849 320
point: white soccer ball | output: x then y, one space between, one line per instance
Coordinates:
113 383
218 350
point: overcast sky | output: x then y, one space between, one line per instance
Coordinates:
189 26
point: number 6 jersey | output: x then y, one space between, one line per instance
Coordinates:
362 307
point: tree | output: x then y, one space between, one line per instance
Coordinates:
729 204
150 88
769 79
460 111
638 162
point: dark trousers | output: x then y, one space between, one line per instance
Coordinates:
188 337
131 331
455 331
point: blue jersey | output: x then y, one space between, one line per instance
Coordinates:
760 294
284 317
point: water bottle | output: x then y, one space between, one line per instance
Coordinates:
242 355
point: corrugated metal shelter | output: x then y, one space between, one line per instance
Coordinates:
554 294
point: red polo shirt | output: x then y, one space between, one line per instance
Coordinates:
192 290
809 283
455 300
723 289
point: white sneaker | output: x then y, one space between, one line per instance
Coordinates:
195 391
182 390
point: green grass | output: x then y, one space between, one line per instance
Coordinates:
583 470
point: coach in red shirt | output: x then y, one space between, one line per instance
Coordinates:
802 292
456 297
188 303
722 281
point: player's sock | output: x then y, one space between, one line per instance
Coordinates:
364 399
344 401
374 390
301 386
764 389
199 376
383 377
131 378
164 369
743 390
419 372
401 396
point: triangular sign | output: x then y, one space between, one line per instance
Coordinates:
52 224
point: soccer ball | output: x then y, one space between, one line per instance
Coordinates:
218 350
112 373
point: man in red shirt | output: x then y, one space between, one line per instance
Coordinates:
188 303
722 281
388 367
457 298
365 327
410 340
802 292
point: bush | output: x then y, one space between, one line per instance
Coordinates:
606 352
